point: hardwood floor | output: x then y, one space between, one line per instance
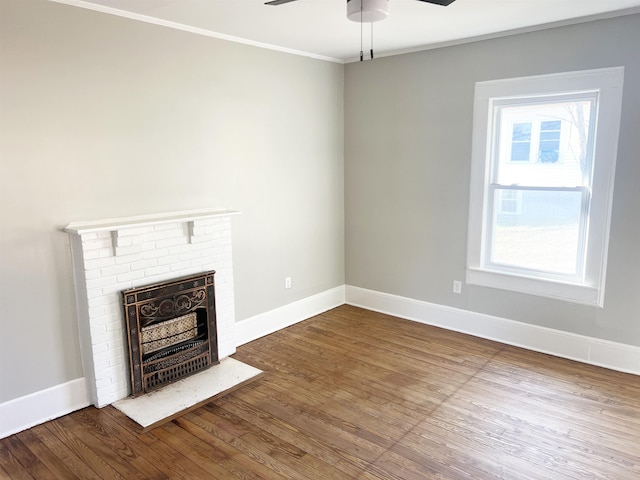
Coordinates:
356 394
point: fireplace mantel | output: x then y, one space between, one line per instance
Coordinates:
115 224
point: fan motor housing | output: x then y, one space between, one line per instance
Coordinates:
367 10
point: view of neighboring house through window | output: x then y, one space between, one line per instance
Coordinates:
542 181
541 175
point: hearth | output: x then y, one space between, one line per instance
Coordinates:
171 331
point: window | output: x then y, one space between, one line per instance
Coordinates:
509 202
544 151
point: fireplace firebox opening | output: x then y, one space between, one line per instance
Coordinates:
171 330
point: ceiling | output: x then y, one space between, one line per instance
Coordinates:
320 29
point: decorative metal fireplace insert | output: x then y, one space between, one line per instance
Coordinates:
171 329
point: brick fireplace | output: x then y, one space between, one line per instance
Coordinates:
110 256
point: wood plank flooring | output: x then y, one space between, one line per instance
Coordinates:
352 394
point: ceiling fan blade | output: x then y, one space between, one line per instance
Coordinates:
279 2
444 3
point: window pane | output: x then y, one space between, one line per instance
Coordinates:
551 125
549 152
543 235
543 144
521 132
520 151
550 135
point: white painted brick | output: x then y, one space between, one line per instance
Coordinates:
114 372
125 232
100 282
201 238
201 261
204 221
155 253
90 255
117 288
137 240
94 292
88 237
99 263
133 249
118 356
97 244
169 242
183 272
113 338
99 330
202 230
105 355
222 267
221 252
154 236
142 264
97 349
130 277
112 310
178 267
101 384
115 269
125 259
117 326
124 241
183 231
178 249
188 256
198 247
96 312
103 300
101 365
168 260
150 272
166 226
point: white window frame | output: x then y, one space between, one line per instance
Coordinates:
589 287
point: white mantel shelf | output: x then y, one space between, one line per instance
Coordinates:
115 224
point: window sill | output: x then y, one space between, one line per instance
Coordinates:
569 292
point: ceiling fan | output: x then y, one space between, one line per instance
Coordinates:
367 11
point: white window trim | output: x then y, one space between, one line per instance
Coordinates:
608 82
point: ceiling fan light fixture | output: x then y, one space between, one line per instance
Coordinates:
367 11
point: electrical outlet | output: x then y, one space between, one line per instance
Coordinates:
287 282
457 287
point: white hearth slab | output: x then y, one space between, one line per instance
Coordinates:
170 401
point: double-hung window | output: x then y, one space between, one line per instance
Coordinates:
543 163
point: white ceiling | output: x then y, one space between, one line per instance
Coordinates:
320 29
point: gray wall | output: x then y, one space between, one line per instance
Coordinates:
408 122
103 117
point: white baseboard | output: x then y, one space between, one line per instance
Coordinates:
279 318
31 410
25 412
594 351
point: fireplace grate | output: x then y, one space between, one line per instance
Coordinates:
172 374
171 329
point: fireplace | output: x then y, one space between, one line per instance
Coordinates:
171 331
115 255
